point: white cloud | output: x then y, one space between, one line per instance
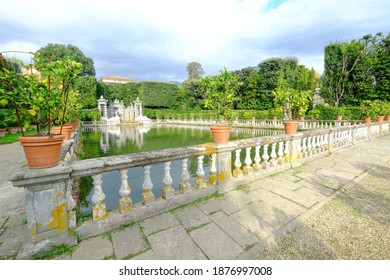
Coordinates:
155 39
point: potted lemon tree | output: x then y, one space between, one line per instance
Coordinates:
221 92
294 103
38 98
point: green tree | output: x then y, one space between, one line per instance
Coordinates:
195 70
381 67
58 51
192 95
86 86
348 70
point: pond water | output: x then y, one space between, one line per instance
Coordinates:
110 141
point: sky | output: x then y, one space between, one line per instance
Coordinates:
156 39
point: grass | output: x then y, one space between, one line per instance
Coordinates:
55 251
11 138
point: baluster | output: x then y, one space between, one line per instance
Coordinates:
237 172
213 170
299 149
320 143
248 168
125 202
200 181
99 211
304 147
265 156
147 194
168 191
185 185
281 152
314 145
287 151
256 165
309 151
326 142
273 155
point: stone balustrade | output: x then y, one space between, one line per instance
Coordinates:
304 124
51 208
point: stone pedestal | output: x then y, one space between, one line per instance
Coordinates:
224 166
46 201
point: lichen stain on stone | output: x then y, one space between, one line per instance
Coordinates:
223 176
59 218
33 232
99 211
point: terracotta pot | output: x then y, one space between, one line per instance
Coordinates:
42 151
290 127
13 130
66 130
2 132
301 118
339 118
220 134
380 119
367 120
275 118
387 118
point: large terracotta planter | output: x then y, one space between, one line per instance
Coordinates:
2 132
290 127
380 119
220 134
13 130
66 130
367 120
339 118
42 151
387 118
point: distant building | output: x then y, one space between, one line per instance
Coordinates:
117 80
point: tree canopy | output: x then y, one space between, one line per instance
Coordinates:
357 70
195 70
58 51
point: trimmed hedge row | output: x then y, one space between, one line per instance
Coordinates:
158 94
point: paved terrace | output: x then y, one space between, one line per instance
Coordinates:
235 225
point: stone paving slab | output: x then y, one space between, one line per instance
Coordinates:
270 214
174 244
227 206
239 197
148 255
318 188
208 207
236 231
191 217
158 223
96 248
280 202
288 177
129 241
253 223
215 243
277 183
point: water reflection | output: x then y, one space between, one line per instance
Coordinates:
109 141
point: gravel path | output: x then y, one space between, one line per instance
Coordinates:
354 225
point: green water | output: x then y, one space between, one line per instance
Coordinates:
103 141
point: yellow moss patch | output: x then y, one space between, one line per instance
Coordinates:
59 218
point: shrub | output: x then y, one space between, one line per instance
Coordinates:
90 114
158 94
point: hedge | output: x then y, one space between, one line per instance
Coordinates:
158 94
